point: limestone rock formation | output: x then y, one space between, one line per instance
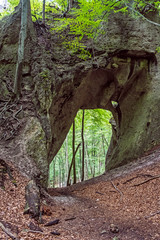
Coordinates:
124 69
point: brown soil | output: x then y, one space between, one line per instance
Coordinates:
123 204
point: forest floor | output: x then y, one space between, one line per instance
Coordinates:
122 204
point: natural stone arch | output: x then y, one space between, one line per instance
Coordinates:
125 69
126 80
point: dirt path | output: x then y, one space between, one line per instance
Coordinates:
123 204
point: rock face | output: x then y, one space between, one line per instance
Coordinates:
124 69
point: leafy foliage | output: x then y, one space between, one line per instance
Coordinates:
87 18
36 9
85 21
158 49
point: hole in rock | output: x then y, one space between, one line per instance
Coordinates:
87 139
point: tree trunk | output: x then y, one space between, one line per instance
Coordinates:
69 5
43 13
54 174
83 148
25 14
59 174
73 153
66 158
87 160
32 195
86 168
73 159
80 162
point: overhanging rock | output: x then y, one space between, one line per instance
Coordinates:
125 69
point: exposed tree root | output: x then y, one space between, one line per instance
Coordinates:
139 175
152 178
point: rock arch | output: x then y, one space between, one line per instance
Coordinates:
127 81
125 69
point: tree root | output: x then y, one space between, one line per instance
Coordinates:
139 175
152 178
9 123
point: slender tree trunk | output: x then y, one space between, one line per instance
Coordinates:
103 145
59 178
66 157
73 151
93 158
99 162
86 168
43 13
64 167
82 136
69 172
54 173
87 161
25 12
80 161
79 175
62 164
69 4
105 140
94 163
91 169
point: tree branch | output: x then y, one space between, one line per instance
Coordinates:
157 24
153 214
25 14
7 231
117 190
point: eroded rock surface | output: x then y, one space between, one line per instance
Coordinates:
124 69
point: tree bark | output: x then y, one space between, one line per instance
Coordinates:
32 195
43 13
73 151
25 14
73 159
69 5
83 147
66 158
